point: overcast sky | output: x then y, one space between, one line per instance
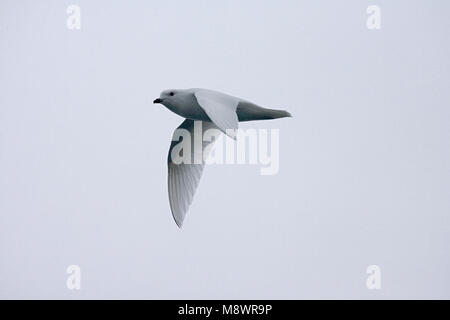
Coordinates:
364 173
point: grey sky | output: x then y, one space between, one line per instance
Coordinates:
364 164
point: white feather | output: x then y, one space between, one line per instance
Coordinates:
220 108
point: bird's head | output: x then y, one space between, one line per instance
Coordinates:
170 97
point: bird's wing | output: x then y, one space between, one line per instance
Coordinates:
183 178
220 108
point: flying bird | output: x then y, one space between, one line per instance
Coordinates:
216 110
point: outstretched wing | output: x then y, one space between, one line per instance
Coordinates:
220 108
183 178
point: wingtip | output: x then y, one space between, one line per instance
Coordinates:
178 223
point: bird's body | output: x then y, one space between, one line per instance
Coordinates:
185 104
215 110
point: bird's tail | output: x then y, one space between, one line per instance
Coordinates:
275 114
248 111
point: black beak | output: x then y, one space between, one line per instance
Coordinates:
158 100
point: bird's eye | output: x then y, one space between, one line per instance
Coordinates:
171 94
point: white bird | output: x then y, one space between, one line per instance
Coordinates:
215 110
